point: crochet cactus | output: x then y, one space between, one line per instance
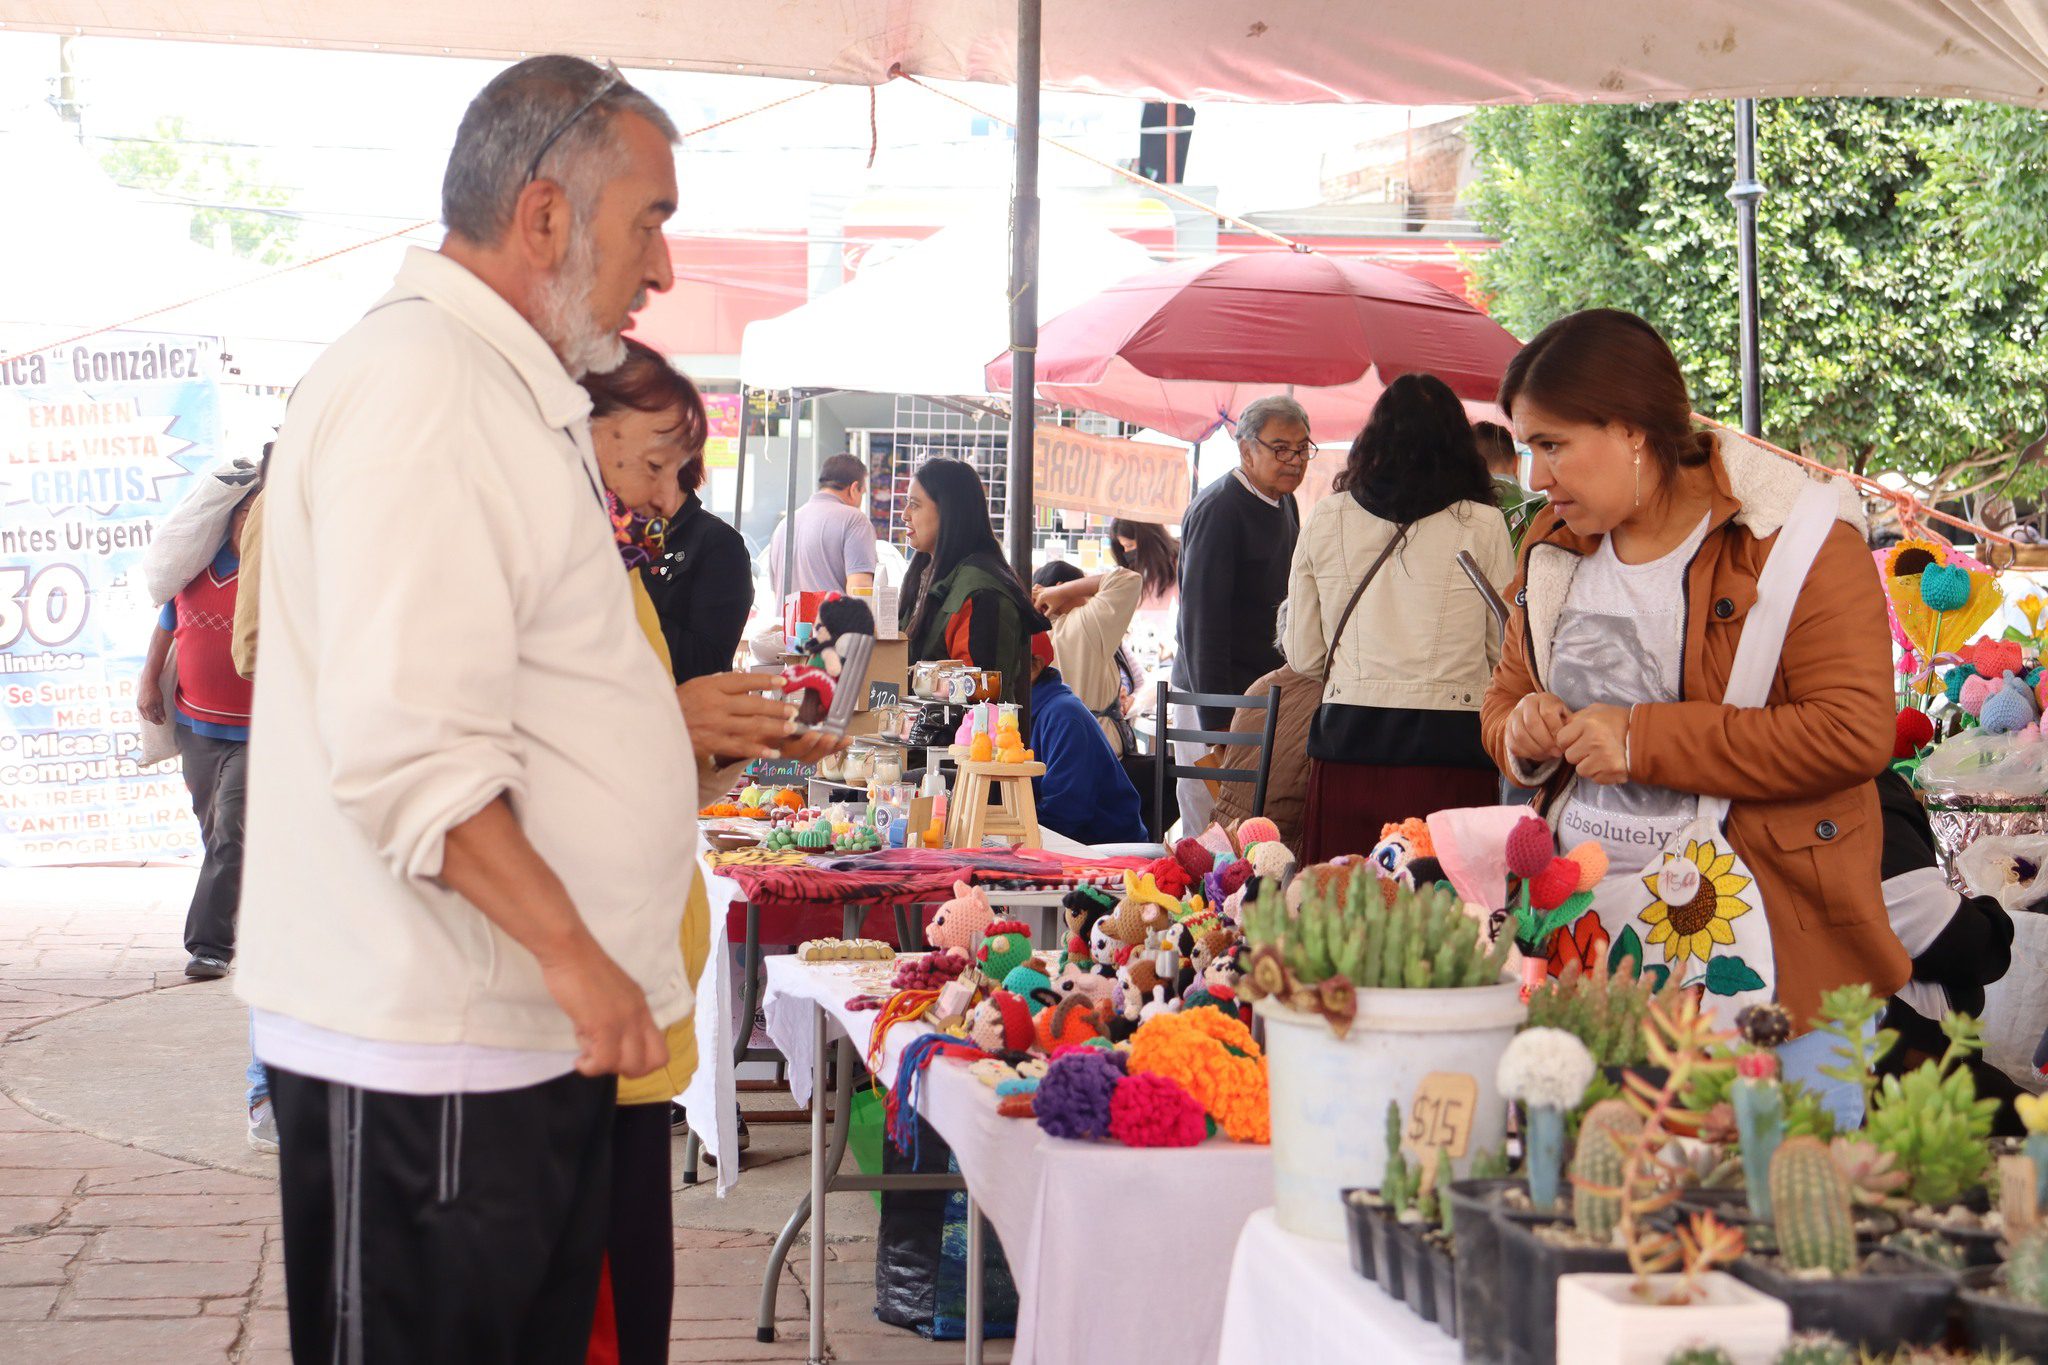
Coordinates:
2026 1269
1597 1167
1815 1349
1814 1218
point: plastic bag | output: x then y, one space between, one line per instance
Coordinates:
191 535
2016 1005
1977 764
2012 869
921 1254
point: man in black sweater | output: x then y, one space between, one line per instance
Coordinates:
1237 543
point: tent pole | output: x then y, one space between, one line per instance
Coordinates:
1024 291
1194 469
796 407
739 462
1745 193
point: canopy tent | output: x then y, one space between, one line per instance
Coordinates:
924 321
1270 51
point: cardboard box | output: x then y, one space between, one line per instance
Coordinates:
888 674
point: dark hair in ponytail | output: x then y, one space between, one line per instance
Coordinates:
1603 365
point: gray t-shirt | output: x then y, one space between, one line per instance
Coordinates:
832 541
1620 639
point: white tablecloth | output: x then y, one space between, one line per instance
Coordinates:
1116 1251
1296 1298
711 1090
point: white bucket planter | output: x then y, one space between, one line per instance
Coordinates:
1330 1094
1600 1321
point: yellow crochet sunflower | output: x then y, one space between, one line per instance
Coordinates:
1692 929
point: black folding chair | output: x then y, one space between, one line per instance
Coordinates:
1167 771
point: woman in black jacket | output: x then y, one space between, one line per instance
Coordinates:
702 585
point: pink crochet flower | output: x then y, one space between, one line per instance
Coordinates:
1148 1110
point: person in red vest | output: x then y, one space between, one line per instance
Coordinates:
212 712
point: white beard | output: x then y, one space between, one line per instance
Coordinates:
565 320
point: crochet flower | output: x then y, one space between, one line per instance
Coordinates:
1214 1058
1269 975
1148 1110
1692 929
1545 1068
1073 1099
2033 1112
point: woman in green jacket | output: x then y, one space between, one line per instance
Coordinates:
963 600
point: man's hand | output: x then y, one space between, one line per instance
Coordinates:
149 697
737 715
614 1028
812 746
1533 726
1595 742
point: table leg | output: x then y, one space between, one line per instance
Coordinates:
976 1310
752 973
819 1154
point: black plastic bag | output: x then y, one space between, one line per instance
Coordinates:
921 1254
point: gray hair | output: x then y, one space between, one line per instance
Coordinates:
1252 421
510 120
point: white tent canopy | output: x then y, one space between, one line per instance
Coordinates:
928 320
1273 51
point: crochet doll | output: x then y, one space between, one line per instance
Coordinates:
1082 909
1002 1023
959 924
1115 937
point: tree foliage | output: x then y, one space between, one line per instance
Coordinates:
1904 312
228 191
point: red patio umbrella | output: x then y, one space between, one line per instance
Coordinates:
1182 348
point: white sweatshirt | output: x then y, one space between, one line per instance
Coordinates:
444 620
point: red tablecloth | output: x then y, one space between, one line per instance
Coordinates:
803 900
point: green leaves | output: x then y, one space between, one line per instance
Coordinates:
1904 309
1731 976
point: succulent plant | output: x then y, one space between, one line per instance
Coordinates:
1927 1245
1490 1163
1871 1172
1813 1215
1604 1010
1596 1168
1699 1355
1850 1014
1399 1181
1932 1122
1814 1348
1546 1071
2025 1272
1369 935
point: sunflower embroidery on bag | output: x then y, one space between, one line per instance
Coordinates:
1697 898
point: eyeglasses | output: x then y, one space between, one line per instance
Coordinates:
1287 454
614 78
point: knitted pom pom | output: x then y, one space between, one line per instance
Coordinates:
1913 733
1195 857
1235 876
2009 709
1148 1110
1257 830
1944 587
1554 885
1530 848
1073 1099
1994 659
1592 864
1169 876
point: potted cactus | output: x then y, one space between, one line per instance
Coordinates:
1673 1293
1366 988
1938 1131
1878 1301
2006 1307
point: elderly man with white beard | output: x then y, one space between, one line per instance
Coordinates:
471 818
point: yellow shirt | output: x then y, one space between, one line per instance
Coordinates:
659 1087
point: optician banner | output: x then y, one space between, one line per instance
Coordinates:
1135 480
99 440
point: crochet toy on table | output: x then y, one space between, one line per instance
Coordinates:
1005 946
811 683
958 925
1081 909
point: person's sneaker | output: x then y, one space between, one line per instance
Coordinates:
678 1118
206 968
263 1127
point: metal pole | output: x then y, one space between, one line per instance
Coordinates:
739 460
976 1291
820 1050
1194 469
1745 193
796 407
1024 291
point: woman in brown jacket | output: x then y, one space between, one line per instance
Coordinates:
1635 583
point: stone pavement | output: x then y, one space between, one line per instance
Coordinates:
137 1226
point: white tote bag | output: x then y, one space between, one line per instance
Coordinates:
1694 909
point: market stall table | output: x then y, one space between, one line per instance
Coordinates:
1114 1250
1297 1298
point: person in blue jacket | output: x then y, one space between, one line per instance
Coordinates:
1084 793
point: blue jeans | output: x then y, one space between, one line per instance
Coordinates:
1801 1060
257 1074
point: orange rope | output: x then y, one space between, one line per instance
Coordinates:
343 251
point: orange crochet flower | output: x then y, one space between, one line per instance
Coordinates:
1214 1058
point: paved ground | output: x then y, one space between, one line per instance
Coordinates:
137 1226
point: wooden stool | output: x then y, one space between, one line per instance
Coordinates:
970 814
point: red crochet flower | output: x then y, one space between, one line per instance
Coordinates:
1148 1110
1169 876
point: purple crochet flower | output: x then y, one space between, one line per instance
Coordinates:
1073 1099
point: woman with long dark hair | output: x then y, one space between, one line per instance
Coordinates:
1149 550
963 600
1378 609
